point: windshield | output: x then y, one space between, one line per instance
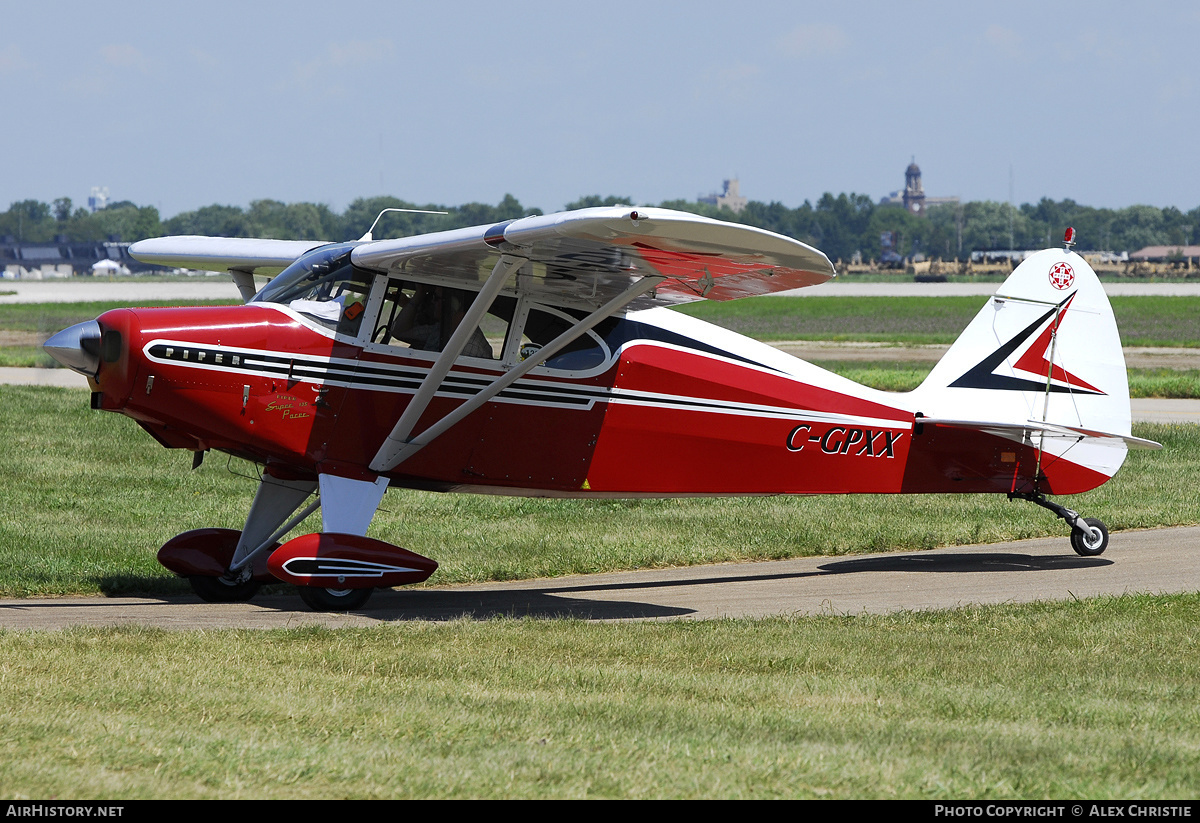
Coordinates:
324 285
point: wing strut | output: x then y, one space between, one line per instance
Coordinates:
395 441
244 280
395 451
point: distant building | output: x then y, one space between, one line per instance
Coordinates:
1163 254
730 198
913 196
98 199
43 261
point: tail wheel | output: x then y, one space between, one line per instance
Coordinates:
222 589
1088 545
334 600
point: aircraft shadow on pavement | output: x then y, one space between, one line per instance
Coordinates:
442 605
966 562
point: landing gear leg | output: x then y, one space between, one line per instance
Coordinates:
275 500
1089 536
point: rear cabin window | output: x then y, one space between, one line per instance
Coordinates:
544 324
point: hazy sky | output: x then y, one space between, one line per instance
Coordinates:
180 105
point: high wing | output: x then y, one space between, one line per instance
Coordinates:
585 257
592 255
240 256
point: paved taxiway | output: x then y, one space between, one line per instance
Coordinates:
1158 561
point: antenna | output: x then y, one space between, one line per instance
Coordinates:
369 235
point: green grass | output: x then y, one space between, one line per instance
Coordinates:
26 357
1077 700
88 499
1143 321
1177 383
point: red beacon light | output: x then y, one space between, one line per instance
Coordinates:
1069 238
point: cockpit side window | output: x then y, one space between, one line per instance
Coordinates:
423 316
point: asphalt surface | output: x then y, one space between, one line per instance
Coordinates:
1159 561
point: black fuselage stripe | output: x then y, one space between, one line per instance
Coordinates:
405 379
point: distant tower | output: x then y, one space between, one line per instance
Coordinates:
914 194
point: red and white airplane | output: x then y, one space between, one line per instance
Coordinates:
539 357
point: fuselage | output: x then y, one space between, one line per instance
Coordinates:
658 404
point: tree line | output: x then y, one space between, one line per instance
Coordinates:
840 225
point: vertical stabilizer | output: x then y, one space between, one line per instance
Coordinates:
1043 352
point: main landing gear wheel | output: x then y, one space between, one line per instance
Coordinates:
334 600
222 589
1089 545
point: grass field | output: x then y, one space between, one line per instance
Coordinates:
1075 700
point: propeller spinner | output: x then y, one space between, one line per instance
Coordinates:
77 347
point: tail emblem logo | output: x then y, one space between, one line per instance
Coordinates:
1062 276
1035 360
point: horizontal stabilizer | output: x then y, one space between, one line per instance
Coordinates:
1031 428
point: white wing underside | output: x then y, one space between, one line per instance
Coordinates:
585 257
222 253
